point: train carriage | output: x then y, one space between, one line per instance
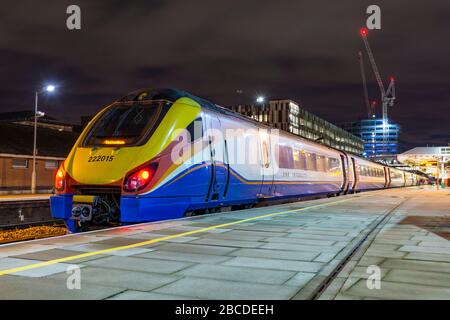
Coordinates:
397 178
164 154
369 175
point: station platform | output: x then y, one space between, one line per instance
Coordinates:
23 197
319 249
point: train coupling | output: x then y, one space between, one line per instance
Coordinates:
83 207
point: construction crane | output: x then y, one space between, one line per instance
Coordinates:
370 111
387 96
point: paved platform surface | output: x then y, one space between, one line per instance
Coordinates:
24 197
278 252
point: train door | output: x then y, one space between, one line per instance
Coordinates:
355 174
219 167
387 175
350 175
266 165
344 161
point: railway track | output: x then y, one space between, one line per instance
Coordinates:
26 219
24 212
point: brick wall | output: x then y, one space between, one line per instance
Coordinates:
15 178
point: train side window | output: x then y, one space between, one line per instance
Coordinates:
285 157
311 163
195 129
363 171
299 159
321 166
328 164
334 164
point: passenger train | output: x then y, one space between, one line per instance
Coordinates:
164 154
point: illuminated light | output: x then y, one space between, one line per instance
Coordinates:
392 78
139 179
363 32
60 181
145 174
116 142
260 99
50 88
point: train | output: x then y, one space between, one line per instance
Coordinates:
159 154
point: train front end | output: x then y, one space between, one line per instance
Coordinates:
121 156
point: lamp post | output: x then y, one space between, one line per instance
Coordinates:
37 114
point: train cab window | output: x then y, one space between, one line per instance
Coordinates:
195 129
311 163
126 124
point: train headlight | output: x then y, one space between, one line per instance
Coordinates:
60 179
139 179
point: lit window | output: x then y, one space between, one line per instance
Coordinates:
51 164
19 163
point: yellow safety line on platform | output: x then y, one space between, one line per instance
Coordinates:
156 240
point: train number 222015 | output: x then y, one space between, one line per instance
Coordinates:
100 158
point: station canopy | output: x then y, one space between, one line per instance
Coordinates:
422 155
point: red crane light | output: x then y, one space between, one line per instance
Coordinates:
392 78
363 32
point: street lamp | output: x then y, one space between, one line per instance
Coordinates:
37 114
260 99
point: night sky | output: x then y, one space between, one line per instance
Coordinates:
303 50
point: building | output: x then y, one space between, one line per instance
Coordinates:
287 115
434 161
54 141
380 139
27 118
